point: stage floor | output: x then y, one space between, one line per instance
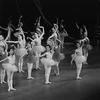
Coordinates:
63 87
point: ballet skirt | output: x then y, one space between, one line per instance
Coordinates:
47 62
87 47
30 58
78 58
10 65
20 51
2 56
16 34
57 56
39 48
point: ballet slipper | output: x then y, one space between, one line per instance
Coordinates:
78 78
57 74
30 78
9 89
13 89
22 71
47 82
4 82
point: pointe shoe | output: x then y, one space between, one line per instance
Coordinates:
13 89
4 82
78 78
1 82
22 71
9 89
30 78
47 82
57 74
38 68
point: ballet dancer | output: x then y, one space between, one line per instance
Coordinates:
79 59
38 48
10 67
47 62
21 45
30 59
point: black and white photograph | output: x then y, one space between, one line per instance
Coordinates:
49 49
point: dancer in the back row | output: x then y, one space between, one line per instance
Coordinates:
37 47
79 59
86 44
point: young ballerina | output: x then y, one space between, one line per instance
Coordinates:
54 34
79 59
86 44
30 59
2 70
21 45
10 67
47 62
4 47
63 33
57 57
38 48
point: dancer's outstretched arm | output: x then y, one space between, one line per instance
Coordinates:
4 59
30 38
12 41
6 29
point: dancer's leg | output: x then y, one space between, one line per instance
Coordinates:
30 65
79 68
12 73
47 74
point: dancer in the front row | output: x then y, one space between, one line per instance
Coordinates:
48 62
10 67
79 59
3 52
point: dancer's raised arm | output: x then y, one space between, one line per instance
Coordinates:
85 29
12 41
30 38
77 26
43 32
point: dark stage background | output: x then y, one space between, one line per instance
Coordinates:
71 11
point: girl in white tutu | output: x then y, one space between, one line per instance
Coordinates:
10 67
47 62
38 48
79 59
21 45
3 51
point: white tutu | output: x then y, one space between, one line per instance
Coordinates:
39 48
20 52
80 59
10 67
48 62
